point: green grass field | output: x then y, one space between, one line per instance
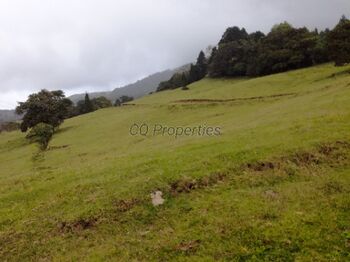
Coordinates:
273 187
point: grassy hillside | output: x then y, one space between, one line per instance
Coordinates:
274 186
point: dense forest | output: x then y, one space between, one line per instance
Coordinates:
284 48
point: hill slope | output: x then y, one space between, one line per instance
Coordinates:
273 186
136 90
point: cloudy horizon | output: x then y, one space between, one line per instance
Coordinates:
90 45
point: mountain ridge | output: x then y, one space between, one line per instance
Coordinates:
137 89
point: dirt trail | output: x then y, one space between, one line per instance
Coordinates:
231 99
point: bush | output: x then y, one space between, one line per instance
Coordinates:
41 134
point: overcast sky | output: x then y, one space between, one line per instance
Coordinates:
92 45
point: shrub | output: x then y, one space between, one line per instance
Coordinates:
41 134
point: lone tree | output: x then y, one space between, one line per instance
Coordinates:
48 107
339 42
88 105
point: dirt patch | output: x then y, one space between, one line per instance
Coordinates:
189 246
231 100
305 158
57 147
76 226
126 205
186 185
329 153
270 194
332 187
261 166
341 73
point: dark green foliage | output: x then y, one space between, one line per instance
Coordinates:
237 57
100 102
125 99
339 42
85 106
49 107
229 60
117 102
233 34
80 108
320 51
88 106
196 72
41 134
284 48
201 65
176 81
199 70
213 53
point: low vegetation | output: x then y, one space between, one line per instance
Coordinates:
273 187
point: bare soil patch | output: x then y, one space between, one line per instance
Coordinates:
232 99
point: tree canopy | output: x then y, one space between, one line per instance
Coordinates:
197 72
284 48
339 42
49 107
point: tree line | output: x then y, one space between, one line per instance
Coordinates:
284 48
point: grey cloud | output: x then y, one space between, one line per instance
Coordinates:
96 45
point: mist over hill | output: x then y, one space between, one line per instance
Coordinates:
8 116
138 89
